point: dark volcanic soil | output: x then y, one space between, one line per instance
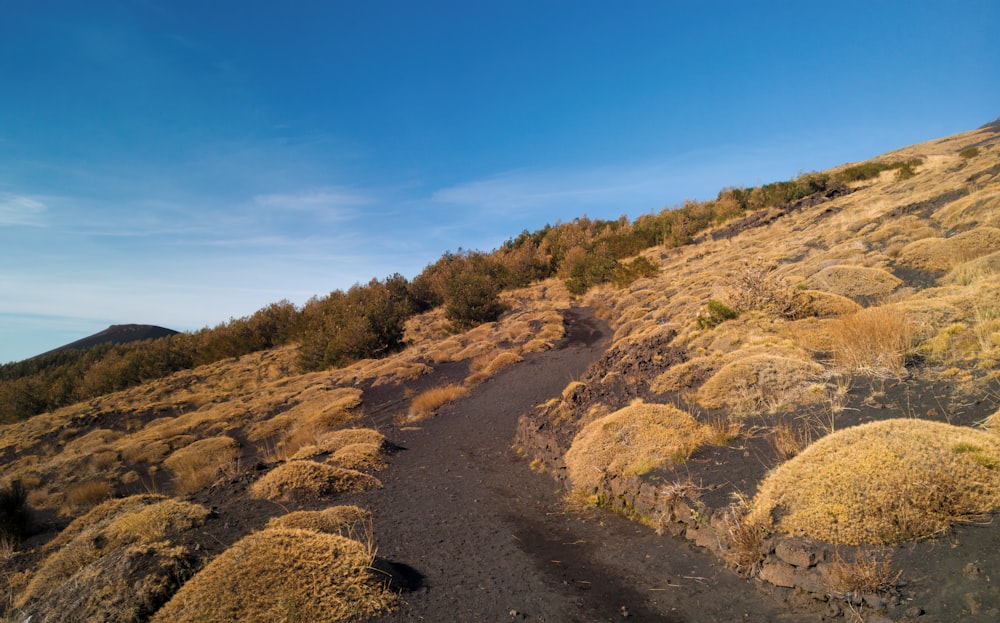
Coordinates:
475 535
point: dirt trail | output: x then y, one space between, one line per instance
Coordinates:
477 536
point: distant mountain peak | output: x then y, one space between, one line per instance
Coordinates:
118 334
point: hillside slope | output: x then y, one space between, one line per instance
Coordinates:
765 343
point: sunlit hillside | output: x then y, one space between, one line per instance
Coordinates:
825 368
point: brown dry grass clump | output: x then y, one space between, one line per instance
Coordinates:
825 304
85 495
317 409
883 483
197 465
946 253
633 440
761 382
116 563
342 520
358 456
855 281
428 402
284 575
488 365
334 441
975 270
307 480
874 342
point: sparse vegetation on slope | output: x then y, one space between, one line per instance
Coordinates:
881 301
118 563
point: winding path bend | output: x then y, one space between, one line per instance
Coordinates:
483 538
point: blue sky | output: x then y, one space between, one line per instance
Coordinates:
181 163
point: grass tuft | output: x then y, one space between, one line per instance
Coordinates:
633 440
428 402
307 480
873 342
198 464
283 574
883 483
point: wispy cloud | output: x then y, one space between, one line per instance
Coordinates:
526 189
21 210
328 204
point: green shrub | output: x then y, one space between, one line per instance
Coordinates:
472 298
716 312
639 268
969 152
869 170
366 321
905 171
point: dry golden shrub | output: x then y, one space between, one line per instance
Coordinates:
396 370
809 334
446 351
358 456
824 304
551 332
320 408
327 408
343 520
490 365
874 342
145 451
85 495
473 350
94 441
761 382
855 281
883 483
984 267
307 480
943 254
927 313
787 440
335 440
91 558
426 403
633 440
535 346
283 574
100 516
687 375
869 573
572 389
197 465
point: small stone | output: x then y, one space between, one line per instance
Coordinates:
778 573
974 602
913 612
796 552
833 610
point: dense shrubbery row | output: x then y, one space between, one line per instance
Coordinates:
367 320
